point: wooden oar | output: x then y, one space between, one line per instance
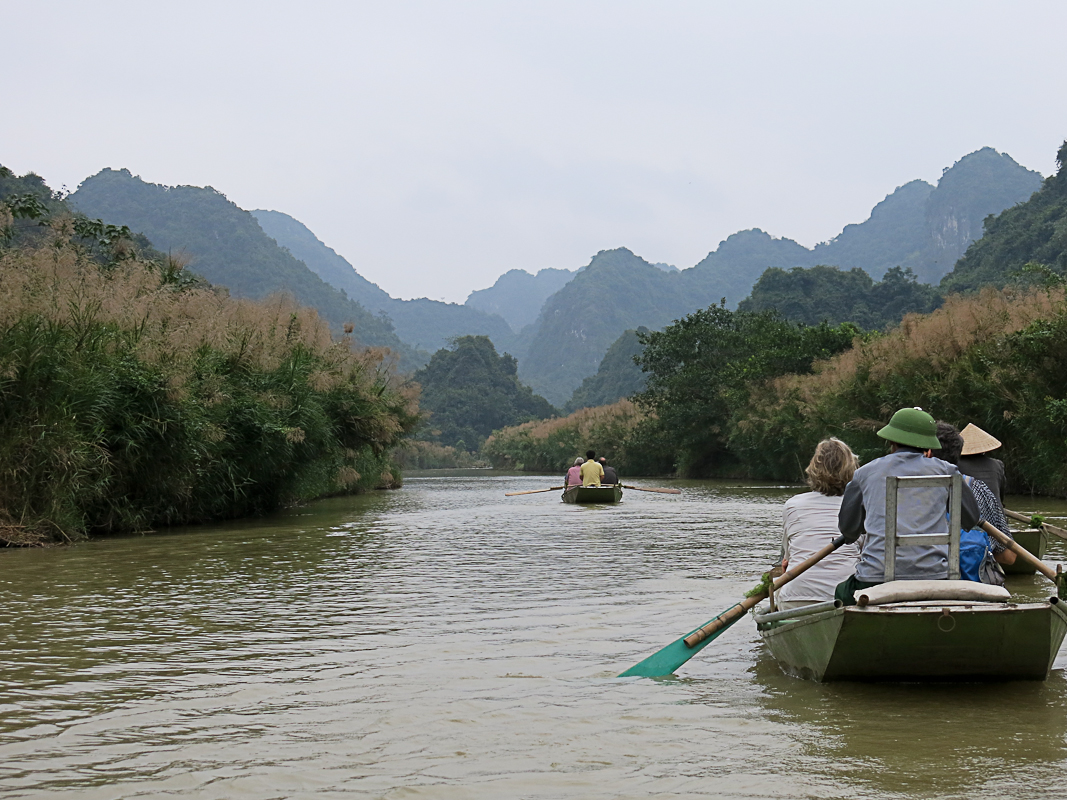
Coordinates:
667 660
535 491
1030 521
1056 576
661 491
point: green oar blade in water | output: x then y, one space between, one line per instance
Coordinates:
675 654
667 660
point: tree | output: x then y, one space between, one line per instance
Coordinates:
703 367
470 391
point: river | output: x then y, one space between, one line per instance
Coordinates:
443 641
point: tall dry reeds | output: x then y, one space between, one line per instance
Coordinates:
129 398
998 359
551 445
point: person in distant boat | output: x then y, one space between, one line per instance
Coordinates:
574 474
911 434
592 472
975 462
992 511
809 523
611 477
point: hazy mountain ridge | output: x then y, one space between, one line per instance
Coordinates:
424 324
618 376
1034 231
227 245
917 227
517 296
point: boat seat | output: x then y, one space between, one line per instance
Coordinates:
907 591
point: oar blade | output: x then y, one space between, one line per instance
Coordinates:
667 660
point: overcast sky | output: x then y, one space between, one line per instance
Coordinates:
437 145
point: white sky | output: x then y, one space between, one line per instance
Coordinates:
438 144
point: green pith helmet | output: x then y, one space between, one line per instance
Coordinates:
913 427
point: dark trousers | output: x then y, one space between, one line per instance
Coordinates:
846 590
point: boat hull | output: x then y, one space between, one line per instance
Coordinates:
929 641
1034 540
593 494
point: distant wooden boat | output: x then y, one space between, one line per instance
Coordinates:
1034 540
593 494
934 640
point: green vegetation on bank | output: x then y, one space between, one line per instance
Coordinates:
552 445
132 397
470 391
704 369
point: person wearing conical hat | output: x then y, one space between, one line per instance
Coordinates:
912 436
975 462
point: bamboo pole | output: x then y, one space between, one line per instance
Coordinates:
1030 521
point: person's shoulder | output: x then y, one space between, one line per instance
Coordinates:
812 499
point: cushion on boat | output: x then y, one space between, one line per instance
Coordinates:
905 591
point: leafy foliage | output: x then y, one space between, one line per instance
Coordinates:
997 359
829 294
702 370
470 391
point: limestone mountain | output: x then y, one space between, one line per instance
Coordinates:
227 246
918 227
618 375
926 228
1034 231
324 261
424 324
517 296
615 292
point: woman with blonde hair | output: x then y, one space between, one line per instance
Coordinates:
810 523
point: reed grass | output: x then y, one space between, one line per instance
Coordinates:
552 445
130 399
997 359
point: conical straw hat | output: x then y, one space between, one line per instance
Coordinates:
976 441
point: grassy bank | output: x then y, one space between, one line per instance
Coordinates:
130 398
552 445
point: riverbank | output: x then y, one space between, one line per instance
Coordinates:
132 398
997 359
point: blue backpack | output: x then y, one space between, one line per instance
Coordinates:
974 547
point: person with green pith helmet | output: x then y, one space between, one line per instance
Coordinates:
912 437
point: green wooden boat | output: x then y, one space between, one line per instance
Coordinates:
593 494
1032 539
921 641
930 630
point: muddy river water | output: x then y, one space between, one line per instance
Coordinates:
443 641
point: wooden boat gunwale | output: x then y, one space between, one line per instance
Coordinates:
819 653
605 494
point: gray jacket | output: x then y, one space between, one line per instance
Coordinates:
919 511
